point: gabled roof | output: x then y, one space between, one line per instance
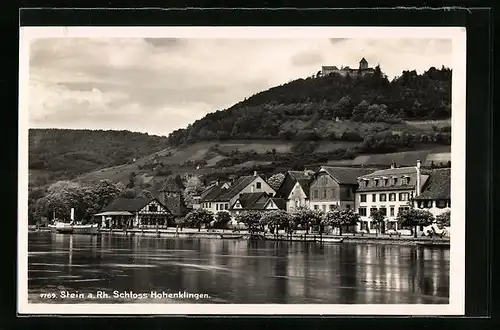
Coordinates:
252 201
398 171
249 199
438 186
292 177
346 175
173 184
128 204
211 193
235 189
363 60
280 202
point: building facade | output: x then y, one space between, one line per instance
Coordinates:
435 196
390 191
295 189
172 196
221 198
334 187
362 70
135 212
260 201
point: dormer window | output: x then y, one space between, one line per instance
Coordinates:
395 180
404 181
376 182
386 182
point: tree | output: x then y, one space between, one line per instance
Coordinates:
222 218
251 219
378 217
415 217
276 180
306 218
198 217
275 220
341 217
146 194
444 218
358 114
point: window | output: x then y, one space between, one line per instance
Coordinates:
392 197
297 203
441 203
227 206
362 211
324 208
374 198
395 181
259 185
373 225
324 193
428 204
373 210
217 207
383 197
391 210
404 181
376 182
386 182
421 204
316 207
383 210
362 198
403 209
325 180
348 206
403 197
315 193
332 206
153 208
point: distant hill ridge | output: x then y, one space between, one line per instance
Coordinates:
292 110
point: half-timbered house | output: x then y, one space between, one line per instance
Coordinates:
135 212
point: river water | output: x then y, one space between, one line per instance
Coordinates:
66 268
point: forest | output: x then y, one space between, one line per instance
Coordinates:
368 99
67 153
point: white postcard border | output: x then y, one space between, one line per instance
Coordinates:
456 304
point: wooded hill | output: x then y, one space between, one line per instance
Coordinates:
295 110
63 153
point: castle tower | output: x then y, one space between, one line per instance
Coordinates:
363 64
172 196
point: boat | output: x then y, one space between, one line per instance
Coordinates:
226 236
61 228
90 229
290 239
330 240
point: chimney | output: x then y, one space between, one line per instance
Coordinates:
393 165
254 173
417 186
72 214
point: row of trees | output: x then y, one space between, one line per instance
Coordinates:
306 219
87 199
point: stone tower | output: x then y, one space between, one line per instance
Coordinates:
172 196
363 64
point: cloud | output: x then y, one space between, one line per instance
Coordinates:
306 58
159 85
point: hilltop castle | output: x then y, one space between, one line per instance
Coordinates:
362 70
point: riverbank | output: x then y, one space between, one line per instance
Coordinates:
243 234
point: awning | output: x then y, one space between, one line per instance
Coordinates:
113 213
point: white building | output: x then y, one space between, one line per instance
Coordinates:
435 196
221 198
390 191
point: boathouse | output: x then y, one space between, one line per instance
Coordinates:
135 212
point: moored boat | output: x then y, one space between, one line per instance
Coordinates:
61 228
229 236
90 229
330 240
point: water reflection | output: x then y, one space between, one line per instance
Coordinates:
238 271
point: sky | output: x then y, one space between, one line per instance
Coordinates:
157 85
